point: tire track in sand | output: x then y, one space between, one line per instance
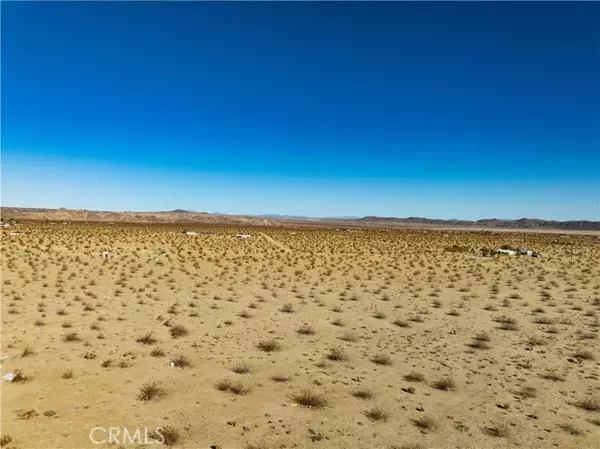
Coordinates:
276 243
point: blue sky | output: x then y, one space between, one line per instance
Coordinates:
444 110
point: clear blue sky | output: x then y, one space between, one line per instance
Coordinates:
444 110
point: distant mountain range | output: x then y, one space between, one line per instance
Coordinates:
522 223
175 216
303 217
187 216
183 211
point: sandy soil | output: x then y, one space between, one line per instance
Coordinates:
277 243
362 339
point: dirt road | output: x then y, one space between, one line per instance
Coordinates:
276 243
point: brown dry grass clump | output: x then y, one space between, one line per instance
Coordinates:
310 399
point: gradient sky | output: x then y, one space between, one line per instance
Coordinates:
444 110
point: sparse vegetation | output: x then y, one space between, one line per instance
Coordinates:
507 323
339 306
151 391
268 345
306 330
178 331
363 393
527 392
414 377
223 385
425 423
307 398
591 404
480 341
27 351
148 339
381 359
336 354
401 323
446 384
571 429
157 352
181 361
584 354
348 336
280 378
171 436
106 363
553 377
287 308
376 414
337 322
236 388
71 337
500 430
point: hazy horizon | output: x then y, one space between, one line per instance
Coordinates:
268 214
439 110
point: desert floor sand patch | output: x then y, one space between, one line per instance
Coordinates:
277 243
368 339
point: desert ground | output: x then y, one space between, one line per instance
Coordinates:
297 338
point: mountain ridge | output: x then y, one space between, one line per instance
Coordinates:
188 216
520 223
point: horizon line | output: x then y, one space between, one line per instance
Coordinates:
274 215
